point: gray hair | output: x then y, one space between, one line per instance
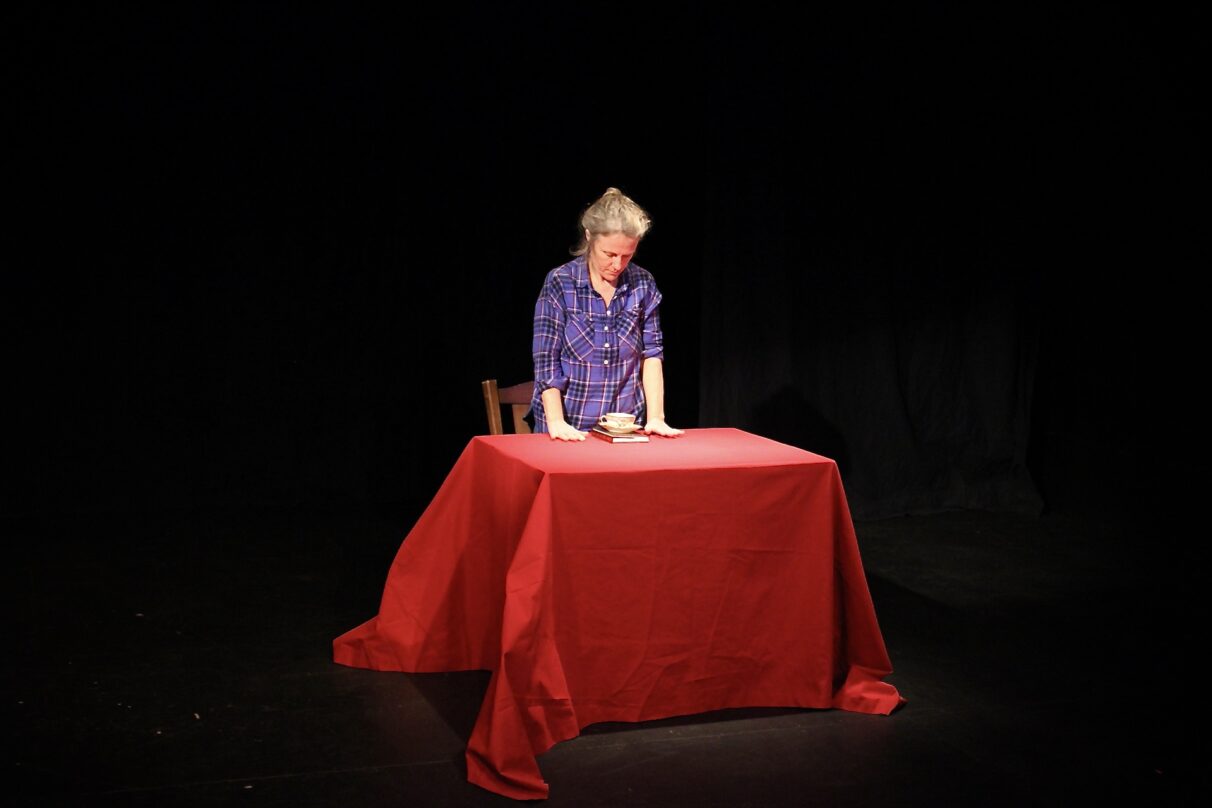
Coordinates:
613 212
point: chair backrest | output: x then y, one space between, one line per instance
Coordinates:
516 397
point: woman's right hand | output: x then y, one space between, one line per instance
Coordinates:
562 430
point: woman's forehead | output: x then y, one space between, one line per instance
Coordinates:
616 242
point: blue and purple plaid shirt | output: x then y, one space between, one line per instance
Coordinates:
592 353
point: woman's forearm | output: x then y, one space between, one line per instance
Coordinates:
553 406
653 380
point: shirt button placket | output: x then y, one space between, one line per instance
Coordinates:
606 327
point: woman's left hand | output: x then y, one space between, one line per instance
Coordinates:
656 426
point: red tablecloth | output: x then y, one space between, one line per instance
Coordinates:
629 582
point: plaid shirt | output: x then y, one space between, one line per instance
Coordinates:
592 353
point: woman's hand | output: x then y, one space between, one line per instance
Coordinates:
657 426
562 430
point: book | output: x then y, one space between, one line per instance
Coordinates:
605 434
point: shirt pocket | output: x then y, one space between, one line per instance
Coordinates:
630 332
578 335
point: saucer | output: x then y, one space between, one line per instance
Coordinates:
621 431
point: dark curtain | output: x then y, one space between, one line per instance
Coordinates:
264 257
948 249
915 373
869 293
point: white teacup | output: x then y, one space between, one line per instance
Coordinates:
617 420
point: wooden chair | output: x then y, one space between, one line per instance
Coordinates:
517 397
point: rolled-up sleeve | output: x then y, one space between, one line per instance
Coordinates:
654 339
548 340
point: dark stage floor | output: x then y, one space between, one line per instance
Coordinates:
184 660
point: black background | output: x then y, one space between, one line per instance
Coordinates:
263 257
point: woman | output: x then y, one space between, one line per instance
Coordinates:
597 331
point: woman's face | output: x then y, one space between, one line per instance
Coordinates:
609 255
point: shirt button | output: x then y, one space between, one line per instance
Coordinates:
607 362
607 345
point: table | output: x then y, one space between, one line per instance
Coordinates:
629 582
